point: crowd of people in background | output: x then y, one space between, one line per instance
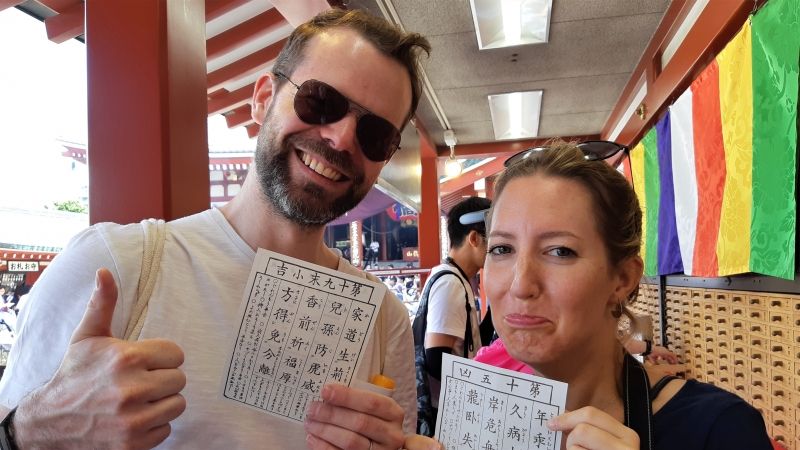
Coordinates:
11 299
406 289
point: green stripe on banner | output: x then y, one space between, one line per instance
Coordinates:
652 191
776 49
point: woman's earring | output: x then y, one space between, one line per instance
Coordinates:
617 311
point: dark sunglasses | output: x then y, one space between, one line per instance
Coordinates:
317 103
592 151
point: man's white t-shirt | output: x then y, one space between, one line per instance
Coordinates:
447 314
204 269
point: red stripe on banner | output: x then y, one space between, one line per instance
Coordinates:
709 153
626 169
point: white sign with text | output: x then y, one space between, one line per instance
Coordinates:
301 326
489 408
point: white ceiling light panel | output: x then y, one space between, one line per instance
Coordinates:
507 23
515 115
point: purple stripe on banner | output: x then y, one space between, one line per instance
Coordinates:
669 251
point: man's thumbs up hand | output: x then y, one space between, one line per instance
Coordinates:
108 392
97 318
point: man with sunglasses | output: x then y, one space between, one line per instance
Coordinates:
331 112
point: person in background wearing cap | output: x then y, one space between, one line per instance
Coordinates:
332 110
451 322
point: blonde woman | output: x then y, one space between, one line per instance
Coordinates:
563 262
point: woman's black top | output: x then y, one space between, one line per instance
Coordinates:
704 417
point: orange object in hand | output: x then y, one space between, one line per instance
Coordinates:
382 381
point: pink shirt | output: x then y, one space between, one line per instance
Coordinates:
496 355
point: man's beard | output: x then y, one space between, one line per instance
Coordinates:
306 205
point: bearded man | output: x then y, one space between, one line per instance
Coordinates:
331 112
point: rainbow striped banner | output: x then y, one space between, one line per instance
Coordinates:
716 175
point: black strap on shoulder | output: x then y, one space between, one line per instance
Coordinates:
469 345
426 413
636 396
661 384
420 324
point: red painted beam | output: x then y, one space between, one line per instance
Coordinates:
4 4
147 128
470 177
8 253
216 8
250 64
489 149
241 116
223 101
714 28
297 12
428 224
67 25
429 149
252 130
59 6
243 33
214 158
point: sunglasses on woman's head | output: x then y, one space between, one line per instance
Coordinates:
317 103
592 151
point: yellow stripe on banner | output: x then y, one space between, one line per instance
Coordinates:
736 108
637 171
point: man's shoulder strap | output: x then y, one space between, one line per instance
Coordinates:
421 317
155 233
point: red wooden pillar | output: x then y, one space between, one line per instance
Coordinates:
148 146
384 251
428 227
